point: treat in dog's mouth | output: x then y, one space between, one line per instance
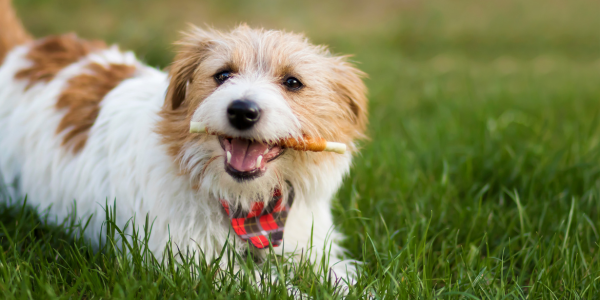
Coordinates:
247 159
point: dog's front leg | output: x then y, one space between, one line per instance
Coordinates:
310 235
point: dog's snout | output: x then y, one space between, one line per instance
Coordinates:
243 114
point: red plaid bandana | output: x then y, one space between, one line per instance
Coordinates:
261 222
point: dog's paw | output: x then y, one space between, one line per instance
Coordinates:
344 274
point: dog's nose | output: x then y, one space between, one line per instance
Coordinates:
243 114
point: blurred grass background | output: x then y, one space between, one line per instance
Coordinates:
481 175
408 28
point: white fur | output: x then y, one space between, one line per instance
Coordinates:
125 160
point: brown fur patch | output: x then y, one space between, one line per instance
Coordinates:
52 54
82 98
176 114
12 32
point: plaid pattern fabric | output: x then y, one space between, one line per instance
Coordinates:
261 222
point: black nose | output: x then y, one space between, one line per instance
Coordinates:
243 114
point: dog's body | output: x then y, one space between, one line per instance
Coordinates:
81 123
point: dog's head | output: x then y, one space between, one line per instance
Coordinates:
252 88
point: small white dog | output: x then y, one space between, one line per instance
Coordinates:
83 122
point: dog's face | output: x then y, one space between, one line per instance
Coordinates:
252 88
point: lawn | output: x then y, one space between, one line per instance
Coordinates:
481 178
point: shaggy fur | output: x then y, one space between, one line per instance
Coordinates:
80 121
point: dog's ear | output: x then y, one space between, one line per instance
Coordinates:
193 49
351 92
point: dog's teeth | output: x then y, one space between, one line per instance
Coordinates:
228 157
266 151
258 161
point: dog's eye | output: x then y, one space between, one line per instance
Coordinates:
222 77
293 83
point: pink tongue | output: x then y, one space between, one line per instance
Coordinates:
245 153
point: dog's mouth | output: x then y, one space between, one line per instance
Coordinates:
247 159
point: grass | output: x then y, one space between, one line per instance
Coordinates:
480 181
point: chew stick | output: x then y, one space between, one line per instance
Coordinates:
306 144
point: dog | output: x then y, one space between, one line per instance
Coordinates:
82 122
